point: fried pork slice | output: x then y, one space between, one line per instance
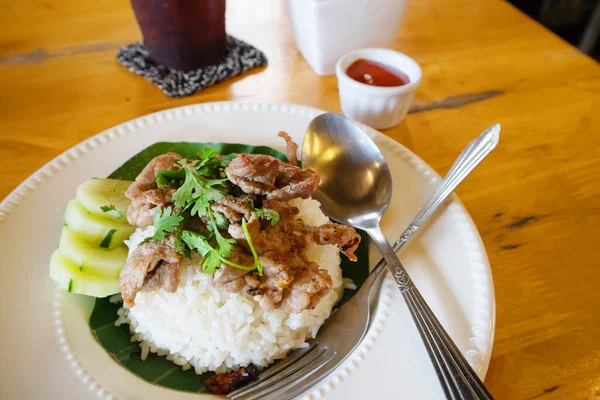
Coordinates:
269 176
286 211
234 208
231 279
278 272
146 180
309 286
291 233
290 283
142 209
144 193
151 266
285 237
291 148
166 276
343 236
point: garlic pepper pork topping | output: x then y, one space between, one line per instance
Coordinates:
292 232
142 209
291 148
309 286
146 179
344 237
150 266
234 208
289 281
231 279
145 194
271 177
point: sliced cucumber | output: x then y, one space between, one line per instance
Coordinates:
93 228
97 193
67 274
92 259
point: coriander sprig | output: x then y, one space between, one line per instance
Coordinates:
265 213
225 246
164 221
197 189
268 214
201 184
257 263
213 256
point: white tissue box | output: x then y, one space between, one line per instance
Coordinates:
325 30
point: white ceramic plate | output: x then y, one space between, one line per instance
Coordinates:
49 352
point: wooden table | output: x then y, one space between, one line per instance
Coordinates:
536 200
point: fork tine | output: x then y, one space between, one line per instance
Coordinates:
292 363
273 389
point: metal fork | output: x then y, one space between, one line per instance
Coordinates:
347 326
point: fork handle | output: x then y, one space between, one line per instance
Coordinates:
456 376
468 159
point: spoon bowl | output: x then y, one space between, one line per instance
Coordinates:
356 184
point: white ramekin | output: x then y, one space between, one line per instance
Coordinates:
375 106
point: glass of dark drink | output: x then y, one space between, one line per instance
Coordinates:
182 34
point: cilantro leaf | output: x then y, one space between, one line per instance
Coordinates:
190 190
111 208
257 263
211 165
212 192
181 247
268 214
197 242
167 176
211 262
200 206
215 255
208 164
224 246
220 220
197 191
165 221
210 256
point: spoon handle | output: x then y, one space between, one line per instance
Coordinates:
468 159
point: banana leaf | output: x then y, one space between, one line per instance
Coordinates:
117 340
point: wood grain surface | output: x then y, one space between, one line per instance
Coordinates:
536 200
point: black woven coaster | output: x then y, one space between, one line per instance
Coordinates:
240 57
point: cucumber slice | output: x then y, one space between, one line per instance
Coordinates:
97 193
92 259
66 273
93 228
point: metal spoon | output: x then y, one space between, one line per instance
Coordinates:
355 189
345 328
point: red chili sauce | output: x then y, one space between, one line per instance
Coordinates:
375 74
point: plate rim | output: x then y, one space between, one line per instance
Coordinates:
39 177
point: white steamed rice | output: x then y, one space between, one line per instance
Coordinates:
204 328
